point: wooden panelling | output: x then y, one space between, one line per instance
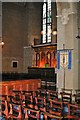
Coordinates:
7 86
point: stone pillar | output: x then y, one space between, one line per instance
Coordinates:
0 44
78 38
66 34
0 37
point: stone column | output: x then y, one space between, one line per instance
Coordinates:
66 34
0 37
78 38
0 45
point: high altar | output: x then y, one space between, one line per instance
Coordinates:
45 56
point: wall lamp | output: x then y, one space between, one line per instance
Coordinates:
2 43
53 32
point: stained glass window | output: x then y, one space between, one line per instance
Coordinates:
46 24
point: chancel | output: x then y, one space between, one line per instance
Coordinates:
39 60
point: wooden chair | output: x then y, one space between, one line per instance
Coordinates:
52 94
77 91
26 93
66 95
49 116
28 100
15 97
4 108
3 97
77 98
73 112
54 111
41 92
15 111
17 94
51 86
55 108
40 103
66 98
31 113
67 90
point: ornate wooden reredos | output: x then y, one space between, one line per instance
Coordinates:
45 55
46 47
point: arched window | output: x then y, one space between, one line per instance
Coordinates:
46 22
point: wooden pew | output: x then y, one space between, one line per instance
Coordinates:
32 114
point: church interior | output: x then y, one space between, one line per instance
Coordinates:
40 60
